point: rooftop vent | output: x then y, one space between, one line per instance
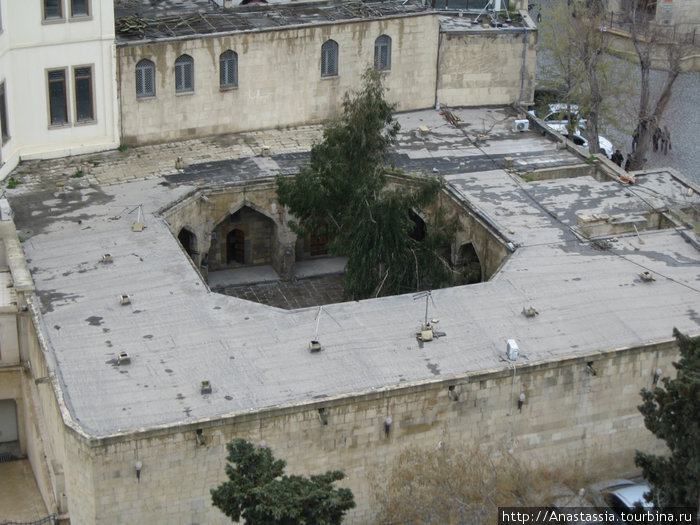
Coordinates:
647 277
123 358
107 258
530 311
124 299
512 349
206 387
315 346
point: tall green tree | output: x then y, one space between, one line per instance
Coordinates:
259 492
344 189
672 413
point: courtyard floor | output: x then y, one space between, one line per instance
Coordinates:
303 293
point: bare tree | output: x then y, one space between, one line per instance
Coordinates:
652 41
464 486
576 44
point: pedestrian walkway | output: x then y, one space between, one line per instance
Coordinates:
20 499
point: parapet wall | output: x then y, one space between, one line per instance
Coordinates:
580 412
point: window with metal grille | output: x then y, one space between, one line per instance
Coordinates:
52 9
184 74
79 8
84 109
228 70
3 115
329 59
57 97
145 79
382 53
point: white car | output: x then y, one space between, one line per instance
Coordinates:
558 115
628 502
579 139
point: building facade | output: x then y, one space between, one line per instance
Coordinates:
57 79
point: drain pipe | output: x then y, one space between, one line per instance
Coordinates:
437 67
522 68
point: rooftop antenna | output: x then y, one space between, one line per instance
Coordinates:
426 330
315 345
138 225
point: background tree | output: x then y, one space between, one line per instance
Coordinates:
344 189
653 42
461 487
259 492
672 413
576 62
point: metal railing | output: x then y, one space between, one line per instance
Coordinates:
687 33
48 520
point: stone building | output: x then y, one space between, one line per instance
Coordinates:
219 71
123 376
139 375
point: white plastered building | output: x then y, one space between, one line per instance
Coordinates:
57 79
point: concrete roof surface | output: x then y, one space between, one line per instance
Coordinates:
178 333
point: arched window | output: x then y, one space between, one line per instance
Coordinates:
184 74
382 53
228 70
145 79
329 59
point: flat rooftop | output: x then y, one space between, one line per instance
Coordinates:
138 21
590 296
142 21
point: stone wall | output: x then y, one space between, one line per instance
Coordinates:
279 78
485 67
579 412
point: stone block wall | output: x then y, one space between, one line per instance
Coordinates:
484 67
274 68
580 412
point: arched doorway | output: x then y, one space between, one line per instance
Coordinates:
9 429
235 247
188 241
419 230
468 264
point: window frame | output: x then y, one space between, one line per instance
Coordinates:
51 19
76 94
4 120
329 59
145 65
64 81
182 64
383 42
86 14
225 59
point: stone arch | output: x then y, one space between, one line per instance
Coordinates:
468 264
244 237
188 240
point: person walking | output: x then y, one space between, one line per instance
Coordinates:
656 137
628 162
665 140
617 157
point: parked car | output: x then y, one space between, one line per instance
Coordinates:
625 499
622 497
559 114
579 139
